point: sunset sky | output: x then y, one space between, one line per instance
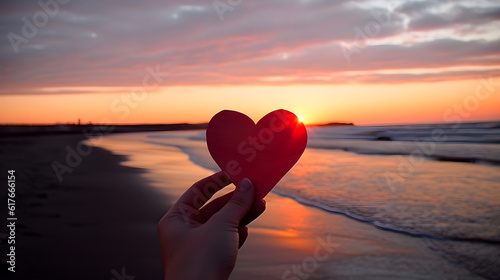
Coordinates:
132 61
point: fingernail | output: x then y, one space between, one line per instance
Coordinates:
245 185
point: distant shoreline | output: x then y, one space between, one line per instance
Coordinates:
333 124
65 129
90 129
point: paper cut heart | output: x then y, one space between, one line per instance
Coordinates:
262 152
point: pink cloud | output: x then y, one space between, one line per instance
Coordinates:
109 43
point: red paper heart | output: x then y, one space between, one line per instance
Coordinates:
262 152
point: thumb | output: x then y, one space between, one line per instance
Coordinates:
238 206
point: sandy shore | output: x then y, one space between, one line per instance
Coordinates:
102 218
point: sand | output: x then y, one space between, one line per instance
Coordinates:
102 218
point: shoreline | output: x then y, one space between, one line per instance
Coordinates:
101 217
287 233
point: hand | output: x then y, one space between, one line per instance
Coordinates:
203 243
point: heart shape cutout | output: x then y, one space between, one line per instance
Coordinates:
262 152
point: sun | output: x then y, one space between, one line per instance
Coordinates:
301 118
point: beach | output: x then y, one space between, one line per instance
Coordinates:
100 221
101 218
371 129
288 233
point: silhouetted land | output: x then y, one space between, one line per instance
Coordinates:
334 124
92 129
32 130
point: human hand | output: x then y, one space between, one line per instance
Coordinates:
202 243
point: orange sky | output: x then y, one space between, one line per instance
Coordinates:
361 104
369 62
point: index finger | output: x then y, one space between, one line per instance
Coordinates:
200 192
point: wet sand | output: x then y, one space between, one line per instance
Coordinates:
101 217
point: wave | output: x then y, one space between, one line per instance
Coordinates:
420 230
454 152
352 215
408 220
453 210
197 154
479 149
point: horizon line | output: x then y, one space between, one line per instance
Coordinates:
204 123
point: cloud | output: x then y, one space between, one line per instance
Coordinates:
446 14
109 43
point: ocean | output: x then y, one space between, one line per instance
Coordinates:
437 182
